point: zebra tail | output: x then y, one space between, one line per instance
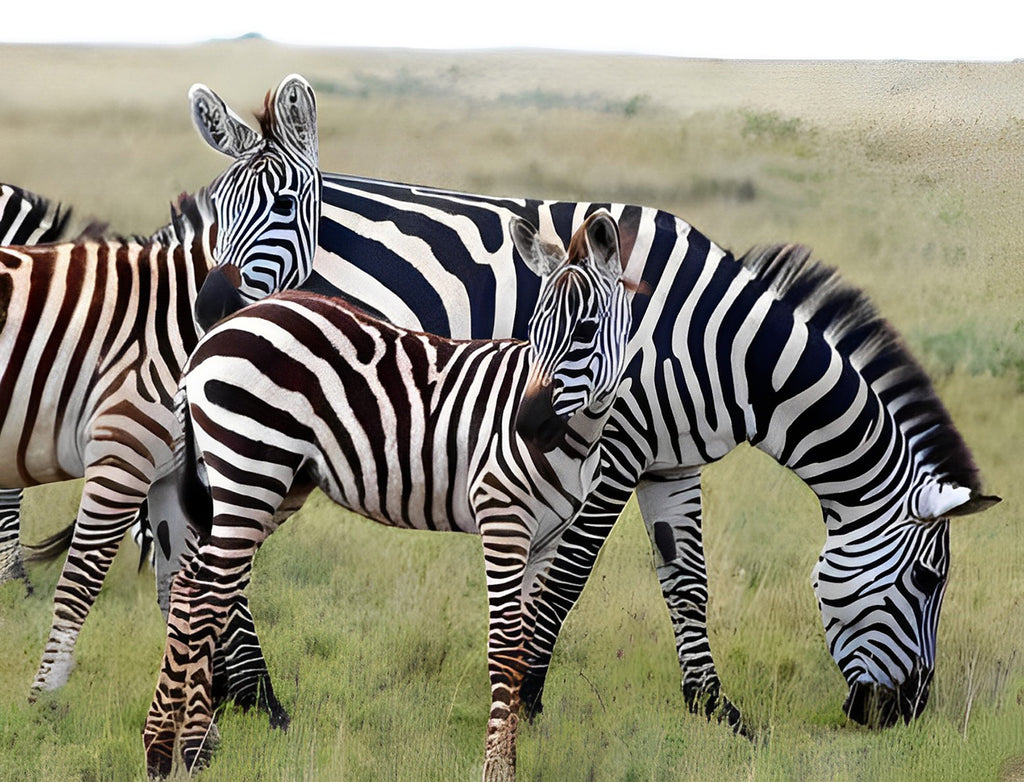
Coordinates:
145 535
194 491
54 546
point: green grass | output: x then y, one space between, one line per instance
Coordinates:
375 637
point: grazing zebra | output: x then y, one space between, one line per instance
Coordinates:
25 218
769 348
97 331
497 438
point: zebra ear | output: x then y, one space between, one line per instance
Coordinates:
542 257
295 116
976 504
603 244
944 500
219 125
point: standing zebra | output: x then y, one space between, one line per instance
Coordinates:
498 438
97 331
769 348
25 218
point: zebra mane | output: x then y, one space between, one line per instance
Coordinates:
56 223
189 213
265 118
851 324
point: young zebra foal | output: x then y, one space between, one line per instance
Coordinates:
494 437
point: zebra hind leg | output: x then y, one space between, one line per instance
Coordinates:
103 518
175 702
240 671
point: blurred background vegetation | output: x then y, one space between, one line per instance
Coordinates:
905 176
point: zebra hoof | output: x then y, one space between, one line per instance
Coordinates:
197 754
531 692
12 568
712 704
280 719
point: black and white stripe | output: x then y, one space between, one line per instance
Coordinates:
496 438
25 218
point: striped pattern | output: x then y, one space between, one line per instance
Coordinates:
86 389
97 331
25 218
769 349
300 391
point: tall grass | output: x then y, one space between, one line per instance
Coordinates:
376 637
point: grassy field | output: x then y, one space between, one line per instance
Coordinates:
905 176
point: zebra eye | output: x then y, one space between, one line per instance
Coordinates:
284 205
585 331
925 578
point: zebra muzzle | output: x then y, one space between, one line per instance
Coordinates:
536 420
218 297
878 706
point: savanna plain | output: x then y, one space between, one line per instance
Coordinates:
905 176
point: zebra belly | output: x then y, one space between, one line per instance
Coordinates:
393 425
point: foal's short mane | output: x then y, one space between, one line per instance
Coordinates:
852 326
265 117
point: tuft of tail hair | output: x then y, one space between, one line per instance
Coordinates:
52 547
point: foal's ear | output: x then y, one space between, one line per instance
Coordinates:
219 125
542 257
295 116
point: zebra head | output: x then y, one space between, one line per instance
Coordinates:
880 588
267 203
579 329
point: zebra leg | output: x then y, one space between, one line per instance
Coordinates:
554 596
202 595
671 510
506 544
182 702
110 501
166 712
240 671
12 567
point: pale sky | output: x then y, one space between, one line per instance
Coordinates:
987 30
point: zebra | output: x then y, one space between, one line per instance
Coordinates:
25 218
768 348
97 331
497 438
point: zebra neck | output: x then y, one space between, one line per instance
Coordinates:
586 427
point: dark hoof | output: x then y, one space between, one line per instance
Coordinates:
280 719
530 695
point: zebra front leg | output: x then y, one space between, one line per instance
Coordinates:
12 566
671 510
110 501
506 545
562 586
